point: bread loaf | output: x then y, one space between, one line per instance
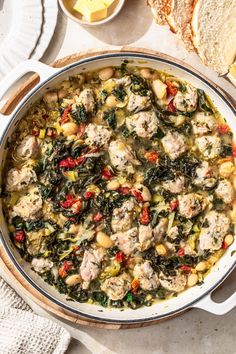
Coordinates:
157 7
214 33
178 14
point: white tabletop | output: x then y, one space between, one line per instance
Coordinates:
195 332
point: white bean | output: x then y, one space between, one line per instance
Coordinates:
201 266
50 97
192 279
113 185
226 168
62 93
161 250
70 128
73 279
146 195
146 73
228 240
111 101
104 240
105 74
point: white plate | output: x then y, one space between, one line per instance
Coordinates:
20 28
50 14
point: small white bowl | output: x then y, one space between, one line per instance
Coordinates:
67 8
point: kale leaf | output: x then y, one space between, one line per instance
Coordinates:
80 114
110 117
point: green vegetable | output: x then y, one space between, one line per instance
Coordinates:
119 93
80 115
129 297
110 117
203 102
139 85
104 95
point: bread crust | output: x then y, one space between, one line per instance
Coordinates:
157 7
186 33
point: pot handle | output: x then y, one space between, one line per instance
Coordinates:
44 71
217 308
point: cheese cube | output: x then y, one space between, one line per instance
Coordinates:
110 4
92 10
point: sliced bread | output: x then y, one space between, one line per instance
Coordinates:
178 14
214 33
157 7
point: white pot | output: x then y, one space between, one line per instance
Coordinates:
198 296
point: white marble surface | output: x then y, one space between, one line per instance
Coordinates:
195 332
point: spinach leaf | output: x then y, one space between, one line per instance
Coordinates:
46 191
18 222
139 85
104 95
158 174
123 67
186 164
110 117
182 87
100 297
119 93
226 150
203 103
80 114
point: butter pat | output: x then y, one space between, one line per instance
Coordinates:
92 10
232 74
110 5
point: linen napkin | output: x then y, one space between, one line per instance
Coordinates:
24 332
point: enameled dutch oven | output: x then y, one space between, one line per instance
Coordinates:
198 296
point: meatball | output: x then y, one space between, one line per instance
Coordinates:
90 265
146 276
186 101
122 217
126 241
203 123
18 180
160 229
138 103
209 146
205 176
86 98
117 287
41 265
28 147
144 192
175 186
121 156
97 135
215 227
225 191
144 124
29 206
145 237
174 144
176 283
190 205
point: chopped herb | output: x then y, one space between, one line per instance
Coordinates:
110 117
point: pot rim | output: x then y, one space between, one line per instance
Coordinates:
124 55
